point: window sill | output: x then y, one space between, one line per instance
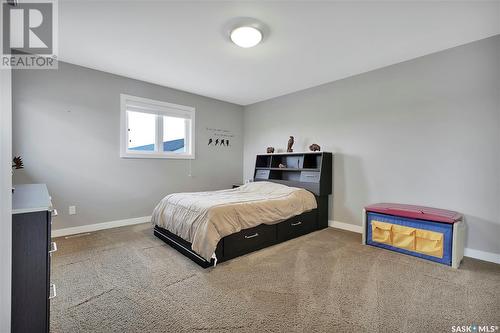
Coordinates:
161 156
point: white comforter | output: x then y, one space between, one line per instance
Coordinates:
203 218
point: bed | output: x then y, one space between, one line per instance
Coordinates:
215 226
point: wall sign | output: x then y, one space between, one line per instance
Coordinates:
218 137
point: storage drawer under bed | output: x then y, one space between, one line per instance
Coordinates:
249 240
297 226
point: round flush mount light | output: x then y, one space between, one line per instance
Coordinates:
246 36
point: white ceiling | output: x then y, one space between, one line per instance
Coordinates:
184 45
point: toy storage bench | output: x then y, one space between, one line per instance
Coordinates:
429 233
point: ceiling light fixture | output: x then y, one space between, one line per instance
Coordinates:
246 36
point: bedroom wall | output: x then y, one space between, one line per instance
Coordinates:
66 127
425 131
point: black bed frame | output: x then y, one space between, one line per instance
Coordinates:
312 171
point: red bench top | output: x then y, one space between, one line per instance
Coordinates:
415 212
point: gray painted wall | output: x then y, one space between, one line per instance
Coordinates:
66 126
426 131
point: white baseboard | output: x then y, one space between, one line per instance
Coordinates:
99 226
482 255
471 253
346 226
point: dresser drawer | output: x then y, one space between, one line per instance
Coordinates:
50 216
309 176
297 226
250 240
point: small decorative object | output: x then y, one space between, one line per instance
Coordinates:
17 163
281 166
314 147
270 150
289 148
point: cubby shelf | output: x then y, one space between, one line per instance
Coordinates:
311 170
288 169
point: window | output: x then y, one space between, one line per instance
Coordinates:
155 129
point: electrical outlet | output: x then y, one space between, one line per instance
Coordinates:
72 210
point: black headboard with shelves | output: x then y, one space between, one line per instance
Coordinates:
310 170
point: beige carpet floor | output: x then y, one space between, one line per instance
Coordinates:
126 280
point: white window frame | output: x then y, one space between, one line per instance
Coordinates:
159 108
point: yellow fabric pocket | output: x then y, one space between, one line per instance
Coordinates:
381 232
429 242
403 237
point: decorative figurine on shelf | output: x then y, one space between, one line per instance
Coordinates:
289 148
281 166
314 147
270 150
17 163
